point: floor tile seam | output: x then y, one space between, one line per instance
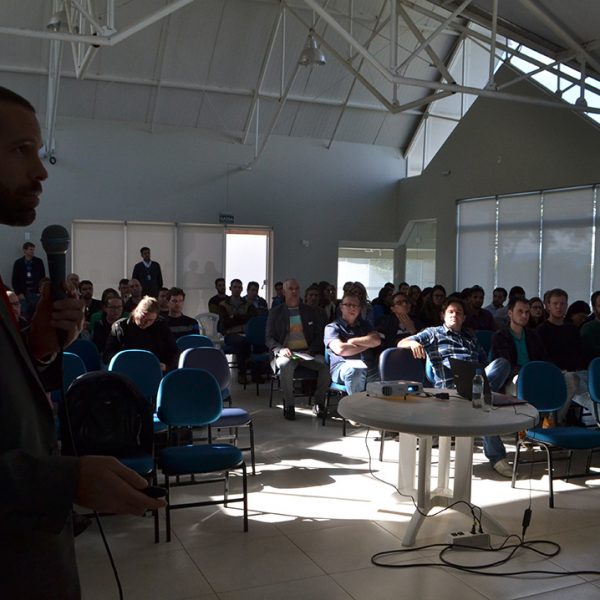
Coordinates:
561 589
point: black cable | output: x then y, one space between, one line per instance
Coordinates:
473 507
62 394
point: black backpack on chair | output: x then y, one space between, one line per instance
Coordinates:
104 413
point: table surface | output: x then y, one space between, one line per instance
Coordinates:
433 416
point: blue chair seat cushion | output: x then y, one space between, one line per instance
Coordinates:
142 465
232 417
202 458
575 438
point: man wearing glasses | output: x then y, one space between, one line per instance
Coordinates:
350 341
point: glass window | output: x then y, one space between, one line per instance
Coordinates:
373 267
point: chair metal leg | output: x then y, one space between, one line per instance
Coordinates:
569 465
381 443
550 475
168 508
226 490
245 494
516 462
271 393
252 458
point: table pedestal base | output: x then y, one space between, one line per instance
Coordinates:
442 495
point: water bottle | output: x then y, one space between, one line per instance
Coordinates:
477 395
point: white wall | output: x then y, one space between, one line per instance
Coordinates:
499 147
121 171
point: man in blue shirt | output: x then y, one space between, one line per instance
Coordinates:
439 344
351 341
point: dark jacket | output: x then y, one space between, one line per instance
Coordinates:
20 283
126 335
503 346
278 328
151 279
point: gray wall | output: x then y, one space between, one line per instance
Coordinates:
306 192
499 147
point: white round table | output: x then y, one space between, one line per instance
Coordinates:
424 417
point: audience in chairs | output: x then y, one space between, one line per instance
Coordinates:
143 330
178 323
295 339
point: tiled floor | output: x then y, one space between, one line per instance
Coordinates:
316 518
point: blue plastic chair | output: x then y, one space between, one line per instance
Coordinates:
193 340
143 368
88 352
543 385
214 361
73 367
192 398
594 386
399 364
484 337
255 331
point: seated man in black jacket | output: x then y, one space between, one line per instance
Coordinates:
515 341
144 330
295 338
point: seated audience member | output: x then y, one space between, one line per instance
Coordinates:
252 297
515 342
590 332
278 297
430 314
312 298
294 327
351 341
73 280
234 313
403 287
107 293
144 329
398 324
213 303
563 344
381 304
135 288
439 344
163 301
537 314
178 323
477 317
124 289
328 300
498 298
366 312
15 304
91 305
501 315
578 313
112 311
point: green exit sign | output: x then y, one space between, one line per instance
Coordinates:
226 218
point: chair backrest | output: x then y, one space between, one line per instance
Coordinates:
594 380
399 364
73 367
484 337
209 359
142 367
193 340
88 352
208 323
105 413
256 329
542 384
189 397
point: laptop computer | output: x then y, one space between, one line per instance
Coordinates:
463 372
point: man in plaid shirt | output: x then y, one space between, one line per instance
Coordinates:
439 344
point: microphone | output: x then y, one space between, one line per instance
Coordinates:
55 241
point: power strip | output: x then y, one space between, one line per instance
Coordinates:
469 540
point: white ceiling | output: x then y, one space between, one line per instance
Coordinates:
200 66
